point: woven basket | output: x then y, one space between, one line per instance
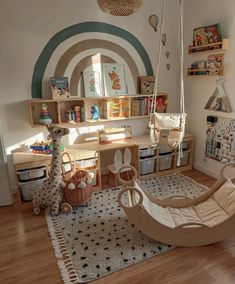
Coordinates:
76 189
120 7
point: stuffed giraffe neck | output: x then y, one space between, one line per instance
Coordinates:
49 194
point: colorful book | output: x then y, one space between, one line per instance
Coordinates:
60 87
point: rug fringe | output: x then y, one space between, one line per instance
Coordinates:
64 261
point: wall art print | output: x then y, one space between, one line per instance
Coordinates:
92 84
114 79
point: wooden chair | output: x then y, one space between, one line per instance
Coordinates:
119 162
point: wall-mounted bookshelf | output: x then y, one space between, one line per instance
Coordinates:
213 65
212 47
119 108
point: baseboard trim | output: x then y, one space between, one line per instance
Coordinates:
205 170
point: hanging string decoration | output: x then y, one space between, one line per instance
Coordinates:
164 39
120 7
153 21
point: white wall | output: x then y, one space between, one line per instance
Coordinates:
199 89
27 25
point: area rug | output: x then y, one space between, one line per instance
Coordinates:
98 239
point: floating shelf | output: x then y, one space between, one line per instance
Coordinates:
206 72
213 47
57 107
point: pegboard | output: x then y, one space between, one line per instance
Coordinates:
220 139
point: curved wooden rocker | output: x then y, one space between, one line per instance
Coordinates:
182 221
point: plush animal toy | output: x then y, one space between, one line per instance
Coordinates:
95 112
49 194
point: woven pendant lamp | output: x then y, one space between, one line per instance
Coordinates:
120 7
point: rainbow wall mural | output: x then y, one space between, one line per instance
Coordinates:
71 51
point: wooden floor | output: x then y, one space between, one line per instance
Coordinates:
27 257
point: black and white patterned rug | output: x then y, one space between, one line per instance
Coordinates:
95 240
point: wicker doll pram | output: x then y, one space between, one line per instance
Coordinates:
76 185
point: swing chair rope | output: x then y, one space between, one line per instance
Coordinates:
182 110
153 110
155 91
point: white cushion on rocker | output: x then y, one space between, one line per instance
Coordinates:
184 215
225 196
160 214
210 212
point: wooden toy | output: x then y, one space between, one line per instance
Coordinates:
77 186
179 220
109 135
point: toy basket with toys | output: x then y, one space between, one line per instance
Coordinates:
76 185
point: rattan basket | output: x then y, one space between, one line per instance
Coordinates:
120 7
77 185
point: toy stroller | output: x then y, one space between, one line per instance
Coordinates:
76 185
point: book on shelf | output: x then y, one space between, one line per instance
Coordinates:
75 114
59 87
142 106
114 108
207 35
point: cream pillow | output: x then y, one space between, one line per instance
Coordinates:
225 197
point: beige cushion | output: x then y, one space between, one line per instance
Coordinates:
210 213
225 197
184 215
160 214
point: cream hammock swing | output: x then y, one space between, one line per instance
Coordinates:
167 129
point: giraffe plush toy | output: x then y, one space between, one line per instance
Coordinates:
49 194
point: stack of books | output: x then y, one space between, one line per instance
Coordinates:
75 114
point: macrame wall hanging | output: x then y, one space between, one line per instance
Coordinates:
120 7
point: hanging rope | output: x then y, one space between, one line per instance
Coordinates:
162 124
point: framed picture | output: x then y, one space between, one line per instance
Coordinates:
147 84
60 87
92 84
114 79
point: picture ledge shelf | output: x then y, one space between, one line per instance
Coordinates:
213 47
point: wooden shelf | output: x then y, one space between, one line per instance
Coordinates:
57 107
206 70
208 48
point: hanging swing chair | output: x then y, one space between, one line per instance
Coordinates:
167 129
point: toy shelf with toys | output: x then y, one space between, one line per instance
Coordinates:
82 111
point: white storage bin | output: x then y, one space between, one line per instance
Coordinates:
147 165
185 146
165 162
29 174
146 152
26 188
165 151
86 163
184 159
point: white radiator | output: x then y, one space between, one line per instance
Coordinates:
5 192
